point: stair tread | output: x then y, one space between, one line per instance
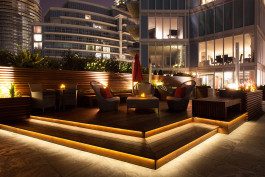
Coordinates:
154 147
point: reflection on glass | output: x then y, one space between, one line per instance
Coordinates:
228 50
167 54
228 78
202 52
239 39
219 51
248 46
165 27
219 80
210 51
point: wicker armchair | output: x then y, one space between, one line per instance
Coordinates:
109 104
41 98
181 104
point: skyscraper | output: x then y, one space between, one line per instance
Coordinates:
16 23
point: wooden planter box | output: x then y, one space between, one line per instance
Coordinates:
251 101
12 109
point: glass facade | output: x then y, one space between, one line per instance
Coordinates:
163 4
16 20
209 38
165 27
224 17
222 51
167 55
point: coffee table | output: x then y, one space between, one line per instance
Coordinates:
214 108
143 102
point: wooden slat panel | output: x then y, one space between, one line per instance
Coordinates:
52 79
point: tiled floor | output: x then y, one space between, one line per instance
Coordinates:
242 153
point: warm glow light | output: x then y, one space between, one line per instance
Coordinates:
62 86
142 95
232 86
4 90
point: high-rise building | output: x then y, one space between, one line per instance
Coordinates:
206 37
89 29
16 23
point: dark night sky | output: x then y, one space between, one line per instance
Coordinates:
45 4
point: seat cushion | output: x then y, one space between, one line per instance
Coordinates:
180 92
106 93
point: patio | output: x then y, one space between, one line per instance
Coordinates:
239 154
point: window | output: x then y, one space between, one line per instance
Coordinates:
37 29
228 14
228 50
167 4
206 1
239 39
194 25
209 29
37 37
37 45
238 13
97 26
166 26
144 4
106 49
159 4
202 52
152 4
248 48
201 24
88 17
249 12
219 50
210 51
152 27
219 19
159 28
98 55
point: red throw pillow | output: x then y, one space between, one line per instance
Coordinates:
105 92
180 92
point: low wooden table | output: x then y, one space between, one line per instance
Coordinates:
143 103
214 108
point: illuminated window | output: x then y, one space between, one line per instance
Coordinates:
37 45
106 56
97 26
98 48
37 29
206 1
98 55
37 37
88 17
106 49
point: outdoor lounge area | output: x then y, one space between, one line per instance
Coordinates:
148 126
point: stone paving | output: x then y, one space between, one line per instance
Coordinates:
242 153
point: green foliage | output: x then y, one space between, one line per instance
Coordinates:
70 61
12 90
26 59
7 58
125 67
112 66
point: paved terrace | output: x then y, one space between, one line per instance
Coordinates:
242 153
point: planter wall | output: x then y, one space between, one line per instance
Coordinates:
14 108
251 101
52 79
